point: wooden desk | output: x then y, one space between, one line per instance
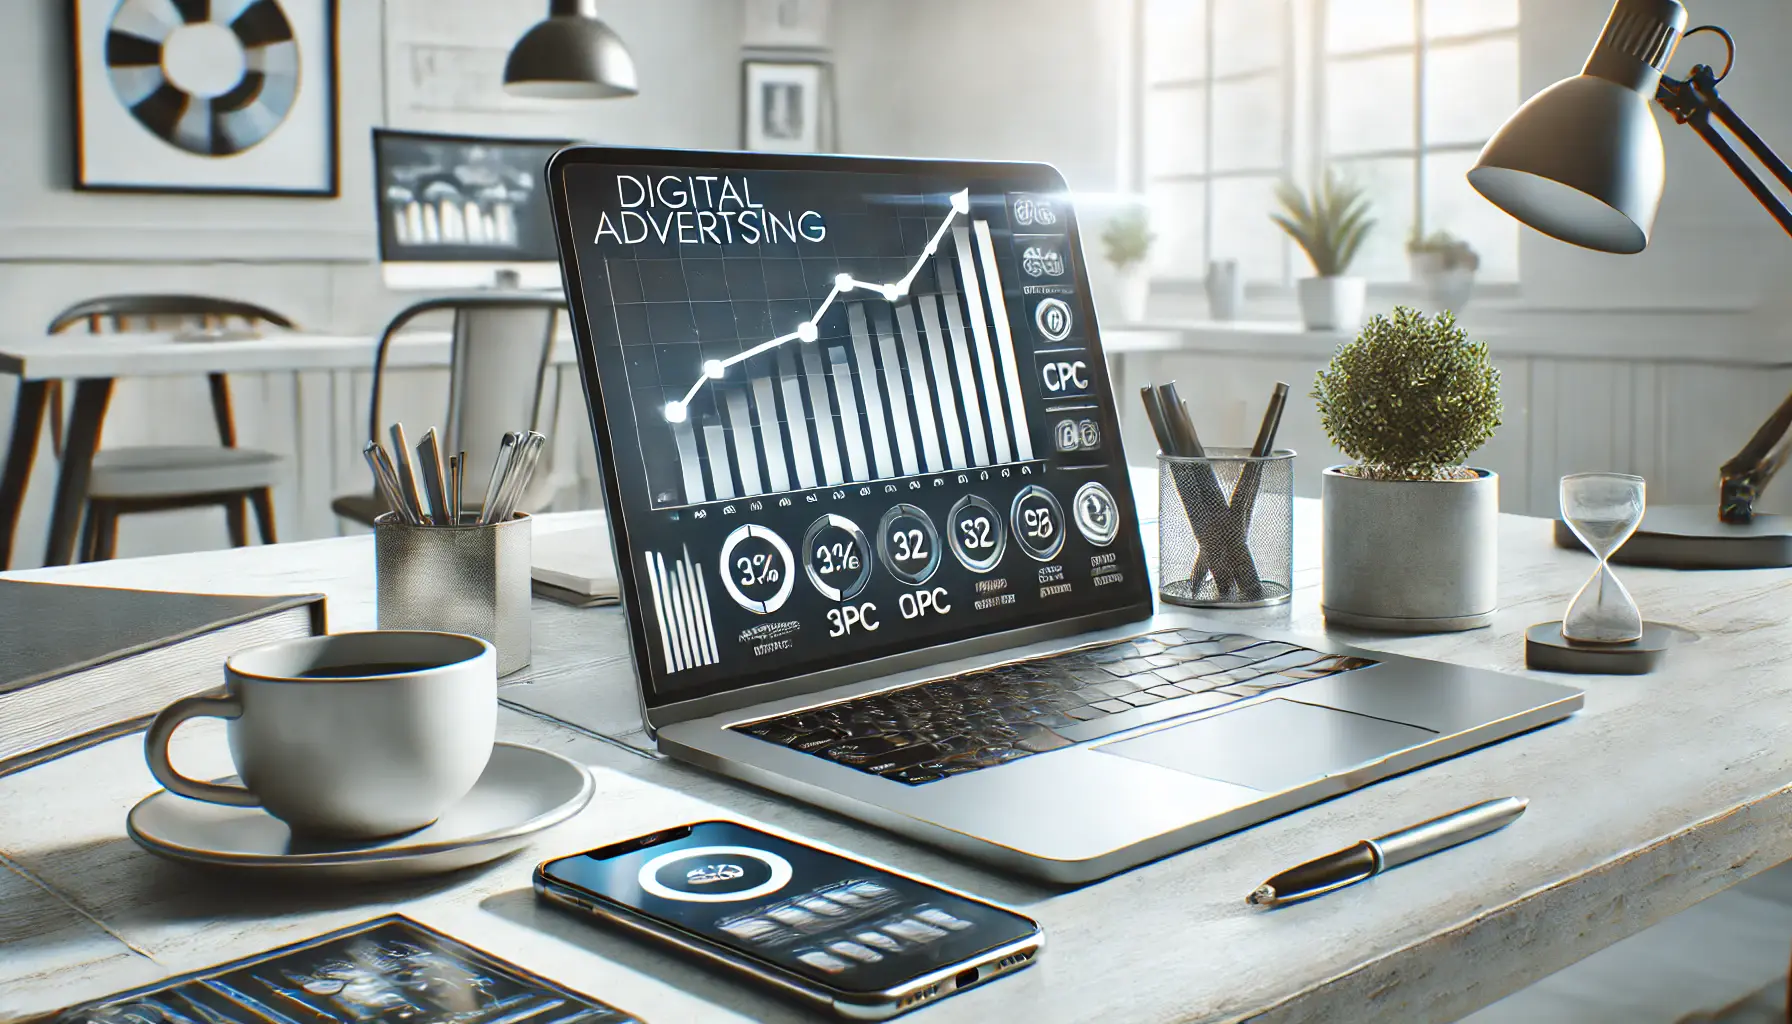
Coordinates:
1664 790
97 361
94 362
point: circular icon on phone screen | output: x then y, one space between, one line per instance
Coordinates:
714 874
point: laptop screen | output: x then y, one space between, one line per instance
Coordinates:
846 408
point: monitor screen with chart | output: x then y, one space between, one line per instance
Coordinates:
846 407
462 211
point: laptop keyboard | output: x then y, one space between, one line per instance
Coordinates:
930 731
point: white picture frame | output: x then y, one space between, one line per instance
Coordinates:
783 106
241 101
786 24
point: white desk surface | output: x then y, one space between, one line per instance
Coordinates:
1663 790
167 355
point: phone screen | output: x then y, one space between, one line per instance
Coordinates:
846 925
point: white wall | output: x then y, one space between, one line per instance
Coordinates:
312 259
995 79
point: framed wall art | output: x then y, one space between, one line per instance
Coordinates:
785 106
216 96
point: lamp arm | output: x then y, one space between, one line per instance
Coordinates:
1694 101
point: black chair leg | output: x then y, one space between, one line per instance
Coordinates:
237 514
263 500
105 540
89 534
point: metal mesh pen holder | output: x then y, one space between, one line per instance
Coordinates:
1225 526
458 579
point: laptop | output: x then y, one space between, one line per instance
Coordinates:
875 535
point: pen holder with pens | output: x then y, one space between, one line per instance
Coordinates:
473 578
1226 528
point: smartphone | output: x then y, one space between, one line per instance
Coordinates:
860 941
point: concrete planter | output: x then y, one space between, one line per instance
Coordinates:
1411 556
1331 303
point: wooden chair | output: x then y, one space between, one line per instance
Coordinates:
497 378
157 478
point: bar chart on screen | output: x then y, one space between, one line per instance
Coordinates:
885 380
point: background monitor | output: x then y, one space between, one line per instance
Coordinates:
463 211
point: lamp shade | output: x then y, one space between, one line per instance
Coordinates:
571 55
1582 160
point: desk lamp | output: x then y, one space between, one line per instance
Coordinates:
1582 162
572 55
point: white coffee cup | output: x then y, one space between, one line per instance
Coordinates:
356 735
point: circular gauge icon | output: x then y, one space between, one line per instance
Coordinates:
1038 523
714 874
1052 317
976 532
757 570
837 557
1096 514
909 544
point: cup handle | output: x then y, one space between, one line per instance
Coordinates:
155 750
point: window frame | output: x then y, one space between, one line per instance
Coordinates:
1309 155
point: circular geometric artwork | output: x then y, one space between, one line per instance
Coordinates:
212 77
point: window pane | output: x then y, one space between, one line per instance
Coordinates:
1352 25
1453 205
1176 219
1175 39
1462 17
1369 104
1247 124
1470 89
1175 130
1389 184
1242 229
1248 35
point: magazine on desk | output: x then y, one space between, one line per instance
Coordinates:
385 971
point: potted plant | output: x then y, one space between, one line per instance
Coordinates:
1410 533
1445 265
1127 239
1330 225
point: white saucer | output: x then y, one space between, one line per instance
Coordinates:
523 791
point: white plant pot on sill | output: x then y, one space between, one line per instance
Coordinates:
1134 292
1449 289
1332 303
1410 556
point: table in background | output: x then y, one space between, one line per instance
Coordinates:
1663 790
96 362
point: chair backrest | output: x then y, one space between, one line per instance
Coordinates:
118 312
497 375
124 313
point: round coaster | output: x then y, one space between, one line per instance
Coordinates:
1546 648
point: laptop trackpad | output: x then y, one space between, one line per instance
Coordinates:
1271 746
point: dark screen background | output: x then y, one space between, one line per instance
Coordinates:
752 558
846 925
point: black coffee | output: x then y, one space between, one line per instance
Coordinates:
365 668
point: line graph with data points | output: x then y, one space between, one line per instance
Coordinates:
717 369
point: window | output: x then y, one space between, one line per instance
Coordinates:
1400 94
1217 130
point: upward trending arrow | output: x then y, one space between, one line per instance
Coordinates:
716 369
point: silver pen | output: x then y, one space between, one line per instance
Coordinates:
1371 857
528 452
488 509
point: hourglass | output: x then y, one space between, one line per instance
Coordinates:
1602 631
1603 510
